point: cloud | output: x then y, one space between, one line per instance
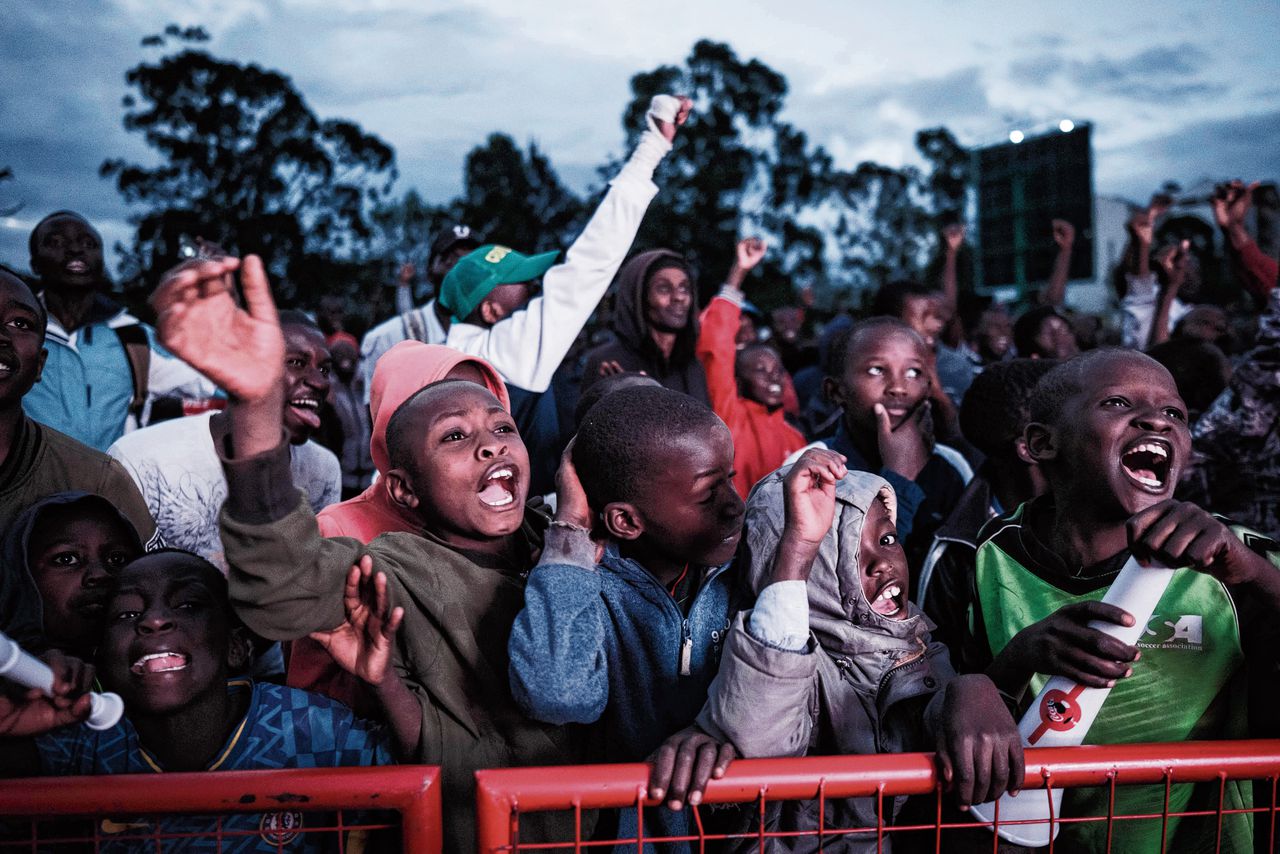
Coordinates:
1158 73
1245 147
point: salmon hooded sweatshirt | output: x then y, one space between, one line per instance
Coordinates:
762 439
399 374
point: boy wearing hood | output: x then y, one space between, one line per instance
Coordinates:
655 326
61 555
457 461
833 659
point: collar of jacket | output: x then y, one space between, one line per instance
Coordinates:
634 573
104 310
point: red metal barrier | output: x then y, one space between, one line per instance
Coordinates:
503 795
113 802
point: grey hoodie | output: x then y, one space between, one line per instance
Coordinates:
862 684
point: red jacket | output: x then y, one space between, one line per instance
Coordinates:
761 439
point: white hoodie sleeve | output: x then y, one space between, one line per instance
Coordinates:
527 347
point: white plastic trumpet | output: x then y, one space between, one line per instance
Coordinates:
29 671
1064 710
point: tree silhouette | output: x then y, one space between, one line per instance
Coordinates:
244 163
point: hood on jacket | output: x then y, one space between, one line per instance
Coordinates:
839 614
21 610
406 368
629 321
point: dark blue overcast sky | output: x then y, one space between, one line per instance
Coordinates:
1179 89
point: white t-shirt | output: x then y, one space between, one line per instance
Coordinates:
178 472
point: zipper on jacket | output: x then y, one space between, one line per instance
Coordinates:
686 648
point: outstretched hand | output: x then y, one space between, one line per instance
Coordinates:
1231 203
809 495
362 645
953 236
199 321
749 253
681 768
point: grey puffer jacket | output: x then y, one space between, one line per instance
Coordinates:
864 684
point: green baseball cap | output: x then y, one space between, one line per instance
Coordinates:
473 277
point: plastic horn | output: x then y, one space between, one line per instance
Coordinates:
27 670
1063 711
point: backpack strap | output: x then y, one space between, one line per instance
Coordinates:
137 350
415 327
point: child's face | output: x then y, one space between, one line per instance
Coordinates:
760 375
470 473
72 553
21 339
168 634
924 315
1055 340
883 564
306 375
690 510
886 366
1124 438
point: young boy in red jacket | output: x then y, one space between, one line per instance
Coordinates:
746 386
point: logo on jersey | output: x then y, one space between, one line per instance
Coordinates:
280 828
1184 632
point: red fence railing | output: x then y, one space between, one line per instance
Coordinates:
234 810
502 796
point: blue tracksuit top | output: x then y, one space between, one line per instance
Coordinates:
607 644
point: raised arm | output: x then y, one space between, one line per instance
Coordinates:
285 579
528 346
559 671
716 347
1064 235
1173 260
1230 205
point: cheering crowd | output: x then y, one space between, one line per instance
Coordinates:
561 513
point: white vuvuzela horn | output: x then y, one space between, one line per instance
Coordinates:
29 671
1064 710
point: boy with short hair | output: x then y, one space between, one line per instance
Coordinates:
457 461
629 637
879 376
170 648
834 659
745 385
175 463
62 554
1109 432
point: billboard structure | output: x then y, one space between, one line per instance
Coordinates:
1021 188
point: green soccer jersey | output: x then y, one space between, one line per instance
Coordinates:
1188 685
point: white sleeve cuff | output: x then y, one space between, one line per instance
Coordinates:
732 294
781 616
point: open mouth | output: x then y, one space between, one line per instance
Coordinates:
774 389
1147 464
76 268
307 410
159 662
498 488
889 601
